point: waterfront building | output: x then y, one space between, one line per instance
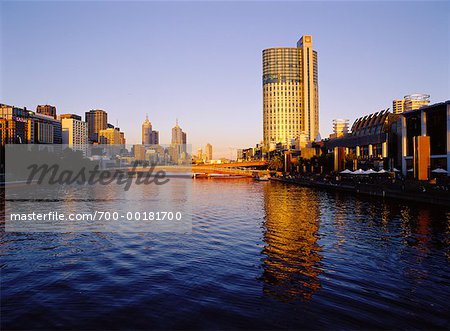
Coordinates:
74 132
410 102
290 93
149 136
15 125
46 110
45 129
97 120
373 141
340 128
425 136
22 126
208 152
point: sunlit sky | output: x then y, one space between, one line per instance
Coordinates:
200 62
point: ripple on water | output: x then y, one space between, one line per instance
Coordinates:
260 256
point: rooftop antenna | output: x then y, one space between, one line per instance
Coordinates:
176 122
146 116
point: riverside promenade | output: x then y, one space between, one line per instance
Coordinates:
403 190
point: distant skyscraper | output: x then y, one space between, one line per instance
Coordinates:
200 154
46 110
155 137
146 132
149 136
290 93
208 152
410 102
178 136
179 140
97 120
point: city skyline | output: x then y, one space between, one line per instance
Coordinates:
381 67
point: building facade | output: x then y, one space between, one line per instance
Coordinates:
109 136
178 136
426 140
290 93
74 132
373 142
208 152
22 126
340 128
16 126
149 136
46 110
46 129
410 102
97 120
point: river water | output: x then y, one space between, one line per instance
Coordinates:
261 255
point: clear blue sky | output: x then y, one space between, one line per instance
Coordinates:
200 62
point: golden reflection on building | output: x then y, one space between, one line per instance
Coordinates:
291 266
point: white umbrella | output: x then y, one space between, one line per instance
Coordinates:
370 171
346 171
358 172
382 171
411 170
395 170
439 171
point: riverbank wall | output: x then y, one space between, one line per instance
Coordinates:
441 198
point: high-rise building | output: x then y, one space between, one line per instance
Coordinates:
21 126
410 102
109 136
208 152
74 132
46 110
16 126
46 129
178 150
290 93
146 131
123 141
200 154
178 136
97 120
340 128
155 137
149 136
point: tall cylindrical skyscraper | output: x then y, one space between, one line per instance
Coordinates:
290 93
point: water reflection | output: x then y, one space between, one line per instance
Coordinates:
292 255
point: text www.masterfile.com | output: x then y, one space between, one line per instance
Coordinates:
99 216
